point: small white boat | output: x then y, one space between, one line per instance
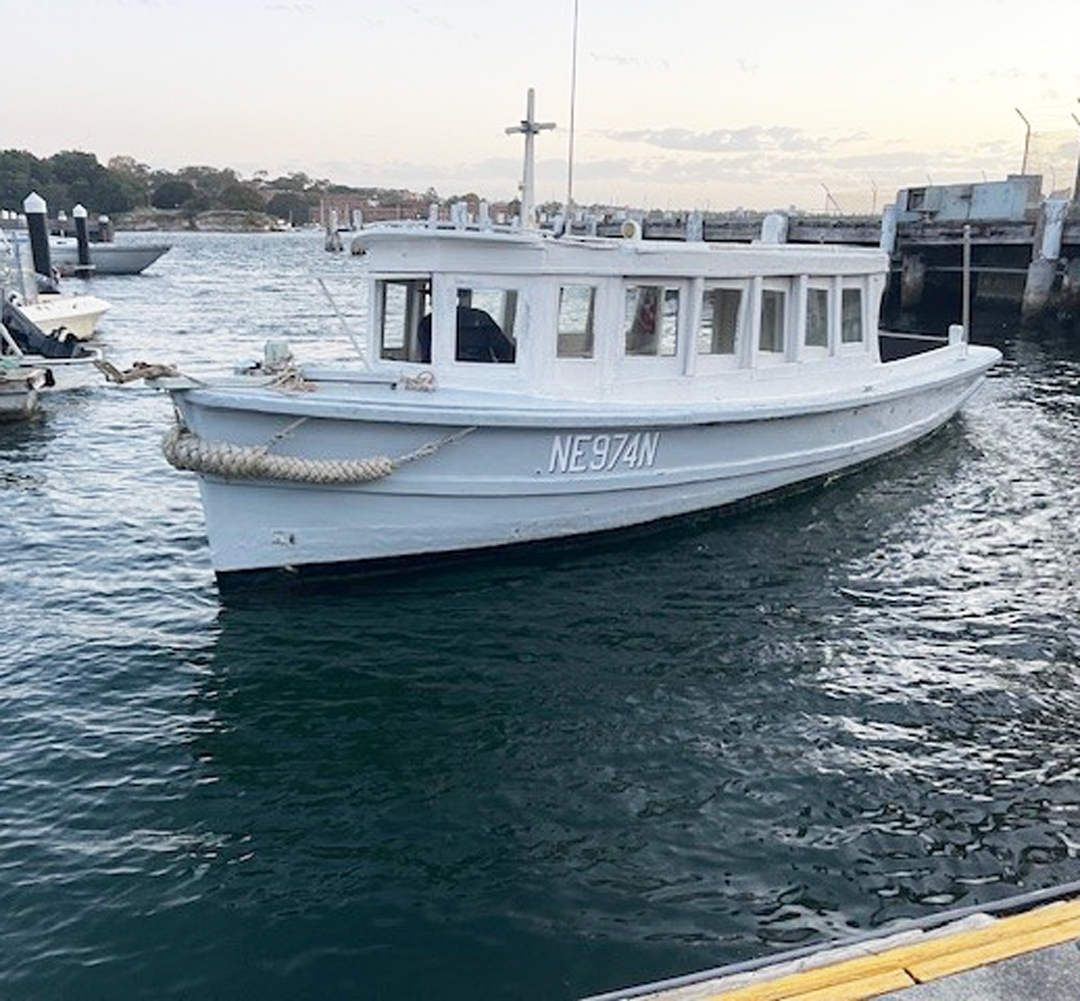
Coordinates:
62 314
52 313
66 362
105 258
527 387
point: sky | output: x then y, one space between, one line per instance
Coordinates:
680 104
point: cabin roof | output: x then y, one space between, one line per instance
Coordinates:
417 249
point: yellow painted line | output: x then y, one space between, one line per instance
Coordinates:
1014 945
1004 937
820 981
856 990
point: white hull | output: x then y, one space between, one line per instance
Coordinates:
523 477
107 258
18 396
54 314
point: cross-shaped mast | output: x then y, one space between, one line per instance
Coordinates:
529 127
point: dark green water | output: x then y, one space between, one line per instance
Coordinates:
540 778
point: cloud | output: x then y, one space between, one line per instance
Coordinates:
633 62
751 138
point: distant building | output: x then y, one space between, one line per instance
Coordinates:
354 207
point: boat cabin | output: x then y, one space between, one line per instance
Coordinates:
599 317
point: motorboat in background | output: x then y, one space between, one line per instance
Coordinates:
67 362
26 343
59 314
38 298
105 258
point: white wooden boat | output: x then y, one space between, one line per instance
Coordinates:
562 386
105 258
525 387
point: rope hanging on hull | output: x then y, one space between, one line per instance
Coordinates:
186 450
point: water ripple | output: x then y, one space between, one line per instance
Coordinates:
541 778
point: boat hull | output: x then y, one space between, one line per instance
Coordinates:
108 258
482 485
77 314
18 395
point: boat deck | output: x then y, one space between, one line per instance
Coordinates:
1023 948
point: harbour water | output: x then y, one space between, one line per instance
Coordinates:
538 778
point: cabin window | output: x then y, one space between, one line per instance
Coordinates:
652 320
817 318
485 325
773 320
851 316
405 320
577 308
720 309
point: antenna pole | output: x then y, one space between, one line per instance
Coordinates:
573 103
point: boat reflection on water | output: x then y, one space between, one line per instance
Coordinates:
646 759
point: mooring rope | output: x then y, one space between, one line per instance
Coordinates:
186 450
140 370
291 379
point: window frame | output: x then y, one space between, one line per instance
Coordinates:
847 345
742 289
674 289
479 283
418 303
590 354
785 289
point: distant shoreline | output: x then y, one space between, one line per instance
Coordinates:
213 221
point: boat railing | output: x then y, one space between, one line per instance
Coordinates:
471 226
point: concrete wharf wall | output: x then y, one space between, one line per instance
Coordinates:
1025 249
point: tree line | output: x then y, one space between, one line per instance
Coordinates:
124 184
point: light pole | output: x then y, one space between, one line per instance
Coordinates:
1027 140
1076 183
829 198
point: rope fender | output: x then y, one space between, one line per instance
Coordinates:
186 450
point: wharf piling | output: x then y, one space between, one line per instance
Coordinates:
1022 246
36 210
82 235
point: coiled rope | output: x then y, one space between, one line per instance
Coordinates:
186 450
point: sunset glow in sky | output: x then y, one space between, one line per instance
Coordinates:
709 104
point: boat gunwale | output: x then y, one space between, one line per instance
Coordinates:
907 377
